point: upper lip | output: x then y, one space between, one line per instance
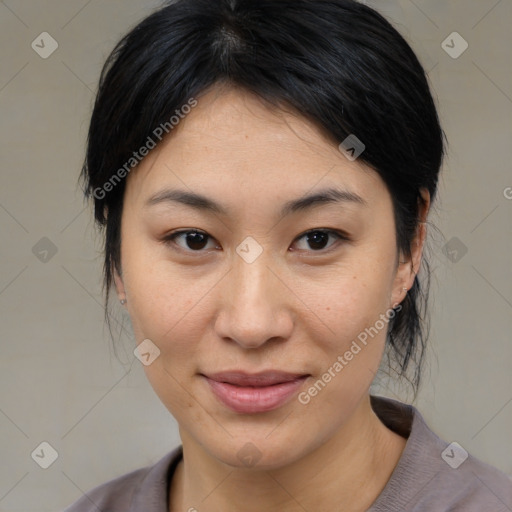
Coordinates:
265 378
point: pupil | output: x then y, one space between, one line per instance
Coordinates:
318 237
194 240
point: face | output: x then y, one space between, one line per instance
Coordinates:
254 286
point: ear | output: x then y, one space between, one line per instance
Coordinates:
118 281
409 266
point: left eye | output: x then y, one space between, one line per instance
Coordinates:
196 241
318 239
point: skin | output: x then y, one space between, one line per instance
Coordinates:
294 308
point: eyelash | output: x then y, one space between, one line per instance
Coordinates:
169 240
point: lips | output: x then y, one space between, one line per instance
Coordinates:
254 393
262 379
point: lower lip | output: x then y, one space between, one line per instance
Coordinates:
249 400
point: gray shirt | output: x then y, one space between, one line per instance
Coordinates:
431 475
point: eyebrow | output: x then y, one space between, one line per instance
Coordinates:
203 203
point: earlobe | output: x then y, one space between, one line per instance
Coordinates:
118 281
400 295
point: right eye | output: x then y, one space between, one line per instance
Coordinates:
193 240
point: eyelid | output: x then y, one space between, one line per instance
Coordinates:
340 235
169 240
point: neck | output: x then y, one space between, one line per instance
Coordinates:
361 455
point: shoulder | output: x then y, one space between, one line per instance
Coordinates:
433 474
113 495
123 493
466 483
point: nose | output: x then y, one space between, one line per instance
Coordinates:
256 305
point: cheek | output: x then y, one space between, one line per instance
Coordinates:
351 299
353 309
167 308
161 295
349 351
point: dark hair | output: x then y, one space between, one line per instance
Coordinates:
337 63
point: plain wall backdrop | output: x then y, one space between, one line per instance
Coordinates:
60 381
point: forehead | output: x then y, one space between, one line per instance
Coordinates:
231 141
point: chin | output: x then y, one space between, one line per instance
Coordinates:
257 451
256 456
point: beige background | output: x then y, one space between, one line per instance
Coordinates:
59 379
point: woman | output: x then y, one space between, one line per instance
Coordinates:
264 171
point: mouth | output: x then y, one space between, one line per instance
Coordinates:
254 393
